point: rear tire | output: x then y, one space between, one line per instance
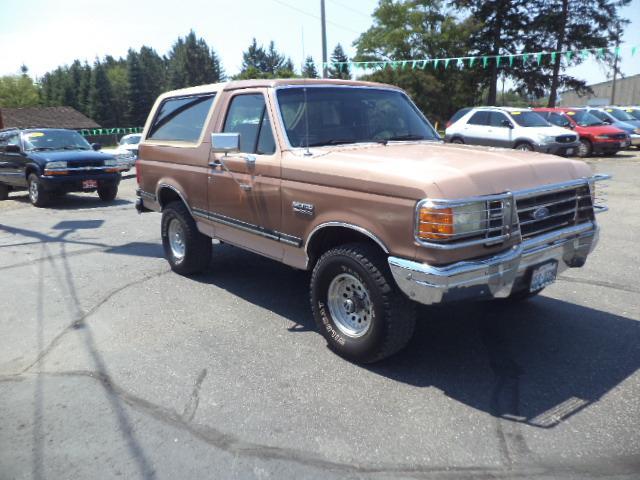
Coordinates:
457 141
585 149
186 249
38 196
4 192
357 306
108 193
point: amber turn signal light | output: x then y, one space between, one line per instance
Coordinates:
435 223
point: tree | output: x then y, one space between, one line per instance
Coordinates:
18 91
309 69
260 63
422 29
117 75
100 96
339 71
191 62
560 25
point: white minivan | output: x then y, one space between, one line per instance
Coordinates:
508 127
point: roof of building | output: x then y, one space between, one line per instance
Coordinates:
45 117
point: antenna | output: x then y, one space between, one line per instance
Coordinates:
306 123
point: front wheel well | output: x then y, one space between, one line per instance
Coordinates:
333 236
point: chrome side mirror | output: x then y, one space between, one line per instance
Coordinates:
225 143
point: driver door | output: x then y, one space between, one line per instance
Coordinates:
244 188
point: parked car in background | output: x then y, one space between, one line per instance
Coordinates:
51 162
628 126
127 150
595 136
633 111
458 115
507 127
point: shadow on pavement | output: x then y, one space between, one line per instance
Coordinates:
72 201
535 362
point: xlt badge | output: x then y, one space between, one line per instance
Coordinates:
303 208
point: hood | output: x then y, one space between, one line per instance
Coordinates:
434 170
599 129
555 131
626 126
70 155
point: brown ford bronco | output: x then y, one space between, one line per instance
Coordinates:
350 181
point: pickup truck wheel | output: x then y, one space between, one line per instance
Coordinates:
38 196
108 193
585 149
357 306
186 249
4 192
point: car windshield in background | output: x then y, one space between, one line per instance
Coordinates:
55 140
585 119
320 116
620 115
529 119
131 140
634 113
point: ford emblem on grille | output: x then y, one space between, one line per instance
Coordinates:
540 213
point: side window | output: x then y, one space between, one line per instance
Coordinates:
558 119
497 118
479 118
248 116
181 119
9 140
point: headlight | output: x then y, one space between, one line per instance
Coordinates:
55 166
602 137
546 138
444 223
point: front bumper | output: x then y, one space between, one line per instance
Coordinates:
73 183
497 276
556 148
635 139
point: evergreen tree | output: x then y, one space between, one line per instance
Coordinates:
340 70
119 86
136 92
260 63
191 62
309 69
100 96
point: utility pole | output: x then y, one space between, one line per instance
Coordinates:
324 39
615 65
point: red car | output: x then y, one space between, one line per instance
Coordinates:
595 135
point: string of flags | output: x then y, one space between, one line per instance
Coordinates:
484 60
109 131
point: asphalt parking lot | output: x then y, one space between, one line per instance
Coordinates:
113 366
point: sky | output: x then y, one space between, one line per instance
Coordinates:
44 34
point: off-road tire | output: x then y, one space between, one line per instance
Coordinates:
197 254
4 191
38 196
108 193
393 320
524 146
585 149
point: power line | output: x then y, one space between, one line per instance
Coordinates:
304 12
346 7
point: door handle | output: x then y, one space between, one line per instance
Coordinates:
215 164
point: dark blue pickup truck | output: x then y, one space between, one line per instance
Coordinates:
50 162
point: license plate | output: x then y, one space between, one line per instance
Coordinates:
88 184
543 275
569 151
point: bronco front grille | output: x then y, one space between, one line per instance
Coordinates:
550 210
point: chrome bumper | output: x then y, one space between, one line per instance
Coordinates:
497 276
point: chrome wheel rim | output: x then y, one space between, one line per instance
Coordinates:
583 151
33 192
524 148
176 239
350 305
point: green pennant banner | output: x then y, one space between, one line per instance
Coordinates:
585 54
498 61
600 53
568 55
511 60
460 63
634 49
538 58
435 63
525 57
484 62
446 62
413 64
553 57
404 64
617 51
472 61
425 63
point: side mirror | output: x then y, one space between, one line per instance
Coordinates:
225 142
507 123
12 149
96 146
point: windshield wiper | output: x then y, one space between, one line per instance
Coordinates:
397 138
333 141
43 148
74 147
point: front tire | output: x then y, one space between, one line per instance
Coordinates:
186 249
457 141
4 192
38 196
525 147
357 306
585 149
108 193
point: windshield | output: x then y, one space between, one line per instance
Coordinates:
341 115
634 113
130 140
55 140
619 114
529 119
585 119
602 116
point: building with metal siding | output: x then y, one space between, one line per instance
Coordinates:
627 93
